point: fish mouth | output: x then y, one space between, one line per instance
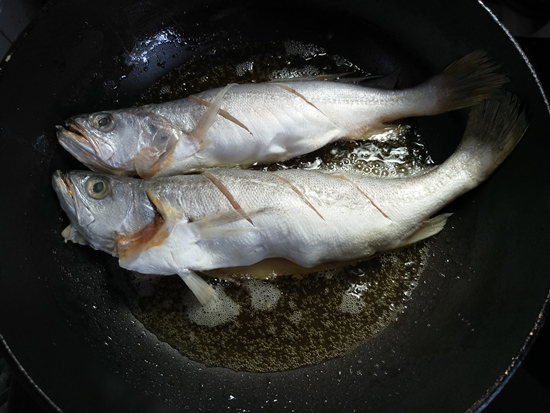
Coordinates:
83 146
72 134
65 192
71 199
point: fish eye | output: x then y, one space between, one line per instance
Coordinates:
104 122
97 188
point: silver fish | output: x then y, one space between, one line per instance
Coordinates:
227 218
240 125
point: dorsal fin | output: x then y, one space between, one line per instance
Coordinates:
208 118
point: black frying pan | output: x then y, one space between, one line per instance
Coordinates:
65 325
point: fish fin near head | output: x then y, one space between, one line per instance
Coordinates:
151 235
428 229
70 233
200 288
164 208
144 160
152 158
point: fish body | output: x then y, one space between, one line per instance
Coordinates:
240 125
233 218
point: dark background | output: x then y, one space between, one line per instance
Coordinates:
528 390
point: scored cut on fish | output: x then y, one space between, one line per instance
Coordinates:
240 125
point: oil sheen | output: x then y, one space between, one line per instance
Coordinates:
286 322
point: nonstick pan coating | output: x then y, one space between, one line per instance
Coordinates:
64 323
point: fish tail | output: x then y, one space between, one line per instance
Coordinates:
464 83
493 130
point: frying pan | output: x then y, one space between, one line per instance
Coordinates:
65 326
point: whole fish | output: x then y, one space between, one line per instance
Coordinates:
230 217
240 125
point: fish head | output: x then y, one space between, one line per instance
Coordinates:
112 141
102 207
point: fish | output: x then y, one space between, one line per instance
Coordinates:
261 123
227 218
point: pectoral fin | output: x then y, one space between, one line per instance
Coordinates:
71 234
149 160
429 228
164 207
144 160
202 290
151 235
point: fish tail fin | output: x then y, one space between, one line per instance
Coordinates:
493 130
464 83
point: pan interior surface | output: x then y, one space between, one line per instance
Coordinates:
475 304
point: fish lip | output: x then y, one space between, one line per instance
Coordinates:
72 200
72 134
73 137
61 182
75 140
75 143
